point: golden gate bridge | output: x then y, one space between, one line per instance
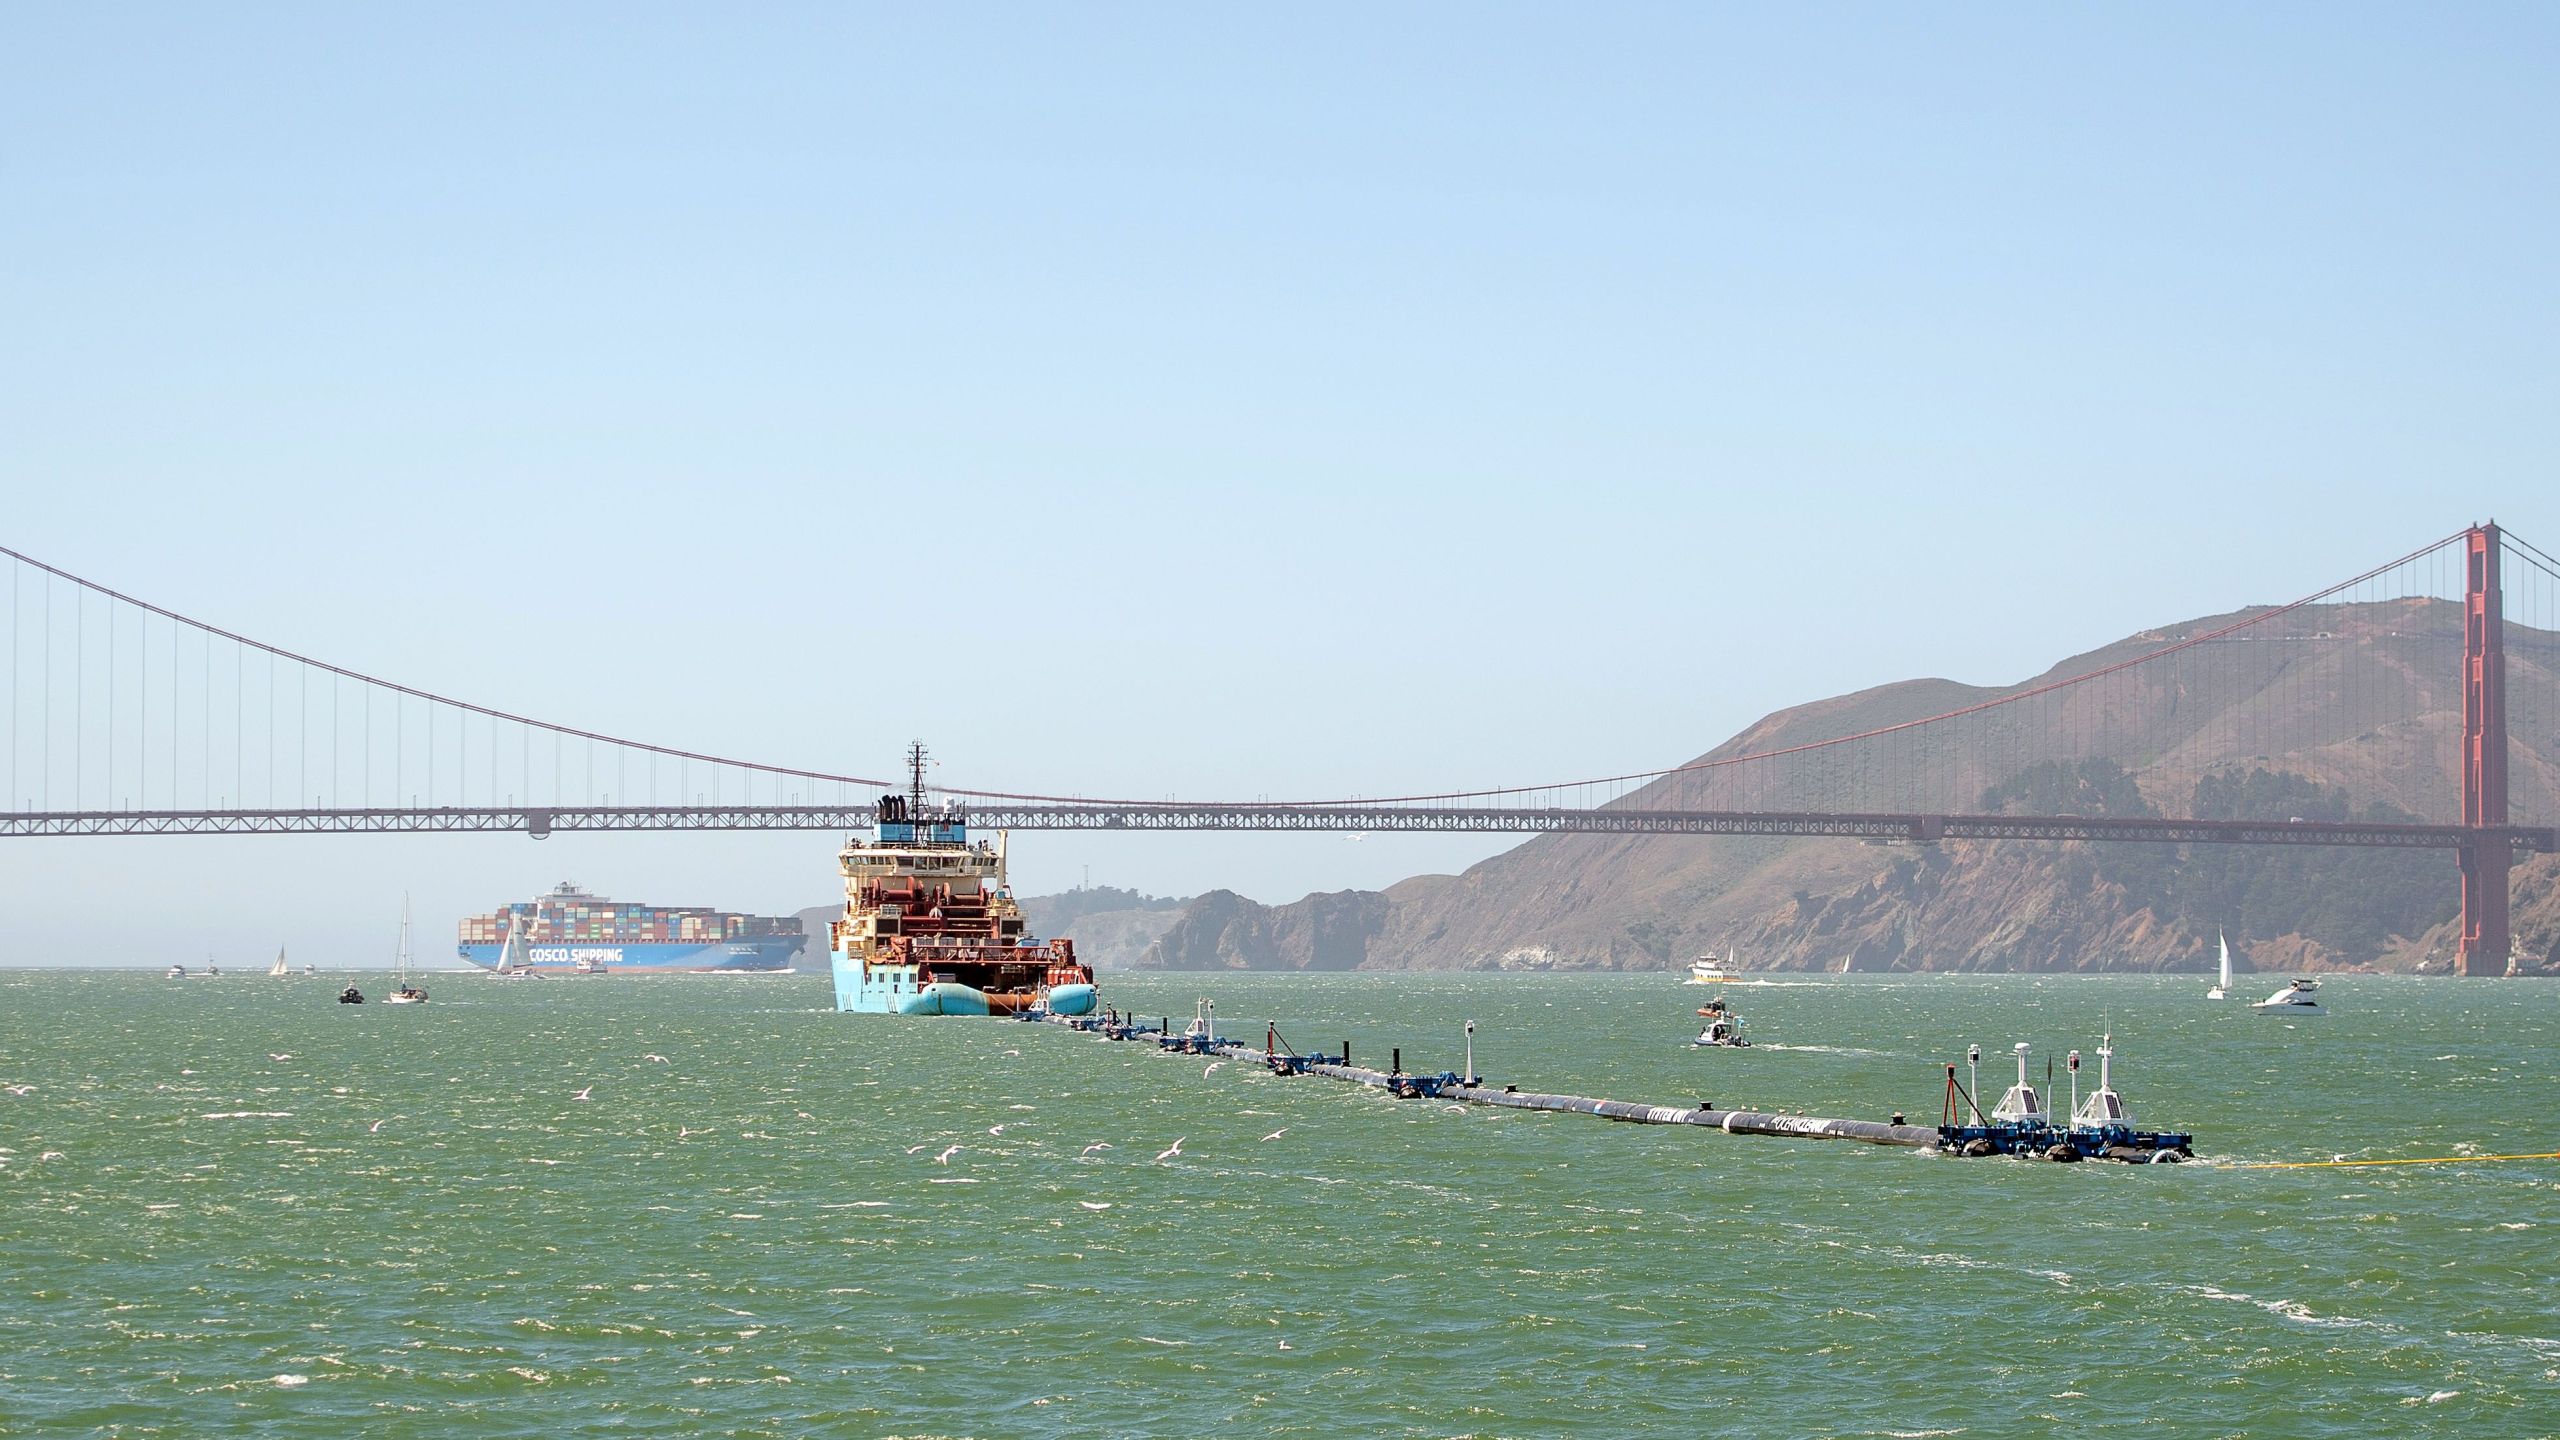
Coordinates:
127 718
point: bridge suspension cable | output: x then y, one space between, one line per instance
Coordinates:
135 729
2014 698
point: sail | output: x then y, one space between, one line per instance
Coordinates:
278 968
2225 982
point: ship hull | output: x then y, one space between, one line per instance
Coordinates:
764 953
899 990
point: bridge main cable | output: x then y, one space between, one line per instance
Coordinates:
1996 702
428 696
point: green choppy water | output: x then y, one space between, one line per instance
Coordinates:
233 1207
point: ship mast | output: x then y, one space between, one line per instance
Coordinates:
915 779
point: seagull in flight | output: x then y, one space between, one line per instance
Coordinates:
581 1095
272 1055
1276 1134
685 1131
1089 1149
20 1089
377 1125
1214 1064
656 1059
945 1157
914 1148
995 1129
1172 1150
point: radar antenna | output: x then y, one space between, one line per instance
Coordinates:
915 777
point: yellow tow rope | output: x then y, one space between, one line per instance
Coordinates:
2350 1164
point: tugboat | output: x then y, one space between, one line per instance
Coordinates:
930 926
2294 999
1723 1027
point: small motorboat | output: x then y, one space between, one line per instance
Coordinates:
1723 1027
176 972
2296 998
351 996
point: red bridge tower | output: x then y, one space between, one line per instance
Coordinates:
2486 940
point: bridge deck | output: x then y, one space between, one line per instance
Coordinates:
540 821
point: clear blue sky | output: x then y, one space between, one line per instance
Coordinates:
1311 401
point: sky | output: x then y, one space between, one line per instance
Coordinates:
1155 400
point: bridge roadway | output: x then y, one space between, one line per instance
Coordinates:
541 821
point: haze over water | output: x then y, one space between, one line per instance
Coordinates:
236 1207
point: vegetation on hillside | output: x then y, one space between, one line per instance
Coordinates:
2352 901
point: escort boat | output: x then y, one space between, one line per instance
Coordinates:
1723 1027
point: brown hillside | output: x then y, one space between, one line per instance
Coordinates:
2361 699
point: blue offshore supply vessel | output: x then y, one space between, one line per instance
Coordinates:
931 928
571 932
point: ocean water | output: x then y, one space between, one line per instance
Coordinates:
233 1207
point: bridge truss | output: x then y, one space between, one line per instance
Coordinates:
543 821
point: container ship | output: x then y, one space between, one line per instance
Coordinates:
930 926
570 931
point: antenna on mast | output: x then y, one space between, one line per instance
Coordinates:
915 777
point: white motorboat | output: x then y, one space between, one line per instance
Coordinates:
1708 970
2296 998
2221 988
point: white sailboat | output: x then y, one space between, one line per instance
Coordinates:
511 954
278 968
2221 987
406 993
